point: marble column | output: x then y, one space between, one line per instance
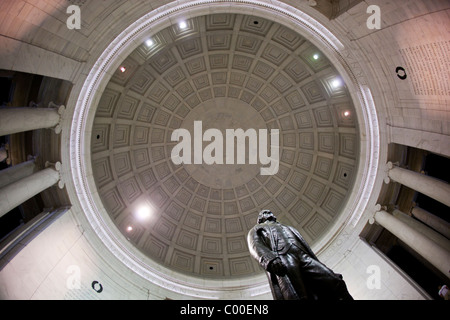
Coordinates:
438 224
14 120
424 229
19 191
17 172
429 186
427 248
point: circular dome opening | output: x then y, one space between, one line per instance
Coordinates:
228 71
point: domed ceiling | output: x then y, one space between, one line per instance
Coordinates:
228 71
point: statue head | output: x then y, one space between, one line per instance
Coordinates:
266 215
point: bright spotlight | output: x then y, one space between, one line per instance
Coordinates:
143 212
182 25
149 42
316 56
336 83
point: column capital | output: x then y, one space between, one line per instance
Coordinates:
377 208
389 165
57 166
387 168
61 109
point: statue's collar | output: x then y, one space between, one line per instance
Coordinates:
270 222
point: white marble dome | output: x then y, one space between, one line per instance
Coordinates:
228 71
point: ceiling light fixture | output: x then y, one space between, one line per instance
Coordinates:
346 113
336 83
149 42
182 25
129 228
143 212
123 69
316 56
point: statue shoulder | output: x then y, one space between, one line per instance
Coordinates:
257 231
294 230
253 230
298 235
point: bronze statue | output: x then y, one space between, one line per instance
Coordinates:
293 270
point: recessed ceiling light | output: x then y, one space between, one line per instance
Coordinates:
143 212
123 69
149 42
346 113
336 83
182 25
129 228
316 56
